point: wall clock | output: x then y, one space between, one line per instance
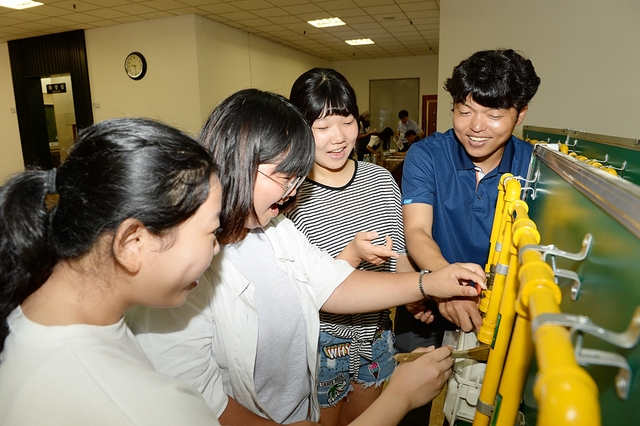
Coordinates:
135 65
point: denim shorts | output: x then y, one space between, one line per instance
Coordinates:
334 381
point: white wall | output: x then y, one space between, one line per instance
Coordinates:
10 149
230 60
586 53
359 72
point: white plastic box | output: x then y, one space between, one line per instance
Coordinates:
463 389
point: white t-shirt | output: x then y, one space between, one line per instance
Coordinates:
88 375
211 341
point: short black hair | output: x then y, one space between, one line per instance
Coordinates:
500 79
403 113
409 133
321 92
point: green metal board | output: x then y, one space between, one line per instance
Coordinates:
567 200
621 153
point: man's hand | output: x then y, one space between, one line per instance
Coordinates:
420 312
462 311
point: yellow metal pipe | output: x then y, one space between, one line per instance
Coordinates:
500 345
515 373
497 324
566 394
497 220
486 334
487 330
507 192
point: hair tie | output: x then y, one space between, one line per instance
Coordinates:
52 198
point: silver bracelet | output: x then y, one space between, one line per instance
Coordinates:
424 271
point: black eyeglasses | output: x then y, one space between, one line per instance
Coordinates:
291 186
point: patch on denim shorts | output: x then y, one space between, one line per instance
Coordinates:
335 387
336 351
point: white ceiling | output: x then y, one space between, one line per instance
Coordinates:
398 27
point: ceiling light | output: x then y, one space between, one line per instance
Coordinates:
19 4
360 41
328 22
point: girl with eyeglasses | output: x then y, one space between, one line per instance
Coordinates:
128 218
247 337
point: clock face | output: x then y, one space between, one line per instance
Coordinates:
135 65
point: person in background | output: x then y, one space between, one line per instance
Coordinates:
129 218
247 337
450 179
380 142
331 212
364 134
411 137
405 124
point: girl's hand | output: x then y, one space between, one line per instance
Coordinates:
457 279
421 380
361 248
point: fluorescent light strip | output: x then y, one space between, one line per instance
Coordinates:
360 41
19 4
328 22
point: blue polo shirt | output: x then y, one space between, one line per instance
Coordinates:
437 171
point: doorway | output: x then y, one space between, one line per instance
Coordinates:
429 114
62 58
57 94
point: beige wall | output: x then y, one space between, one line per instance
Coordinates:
10 149
359 72
586 53
169 91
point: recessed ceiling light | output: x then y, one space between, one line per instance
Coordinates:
359 41
19 4
328 22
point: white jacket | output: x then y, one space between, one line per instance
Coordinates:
211 341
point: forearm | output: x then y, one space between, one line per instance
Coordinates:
350 255
424 251
404 263
367 291
387 410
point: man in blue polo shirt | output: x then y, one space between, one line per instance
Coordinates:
450 180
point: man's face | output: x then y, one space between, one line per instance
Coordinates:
404 120
484 131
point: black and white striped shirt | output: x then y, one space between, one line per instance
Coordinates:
330 217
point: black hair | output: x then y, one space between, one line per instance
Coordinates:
403 113
249 128
500 79
385 136
118 169
322 92
409 133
